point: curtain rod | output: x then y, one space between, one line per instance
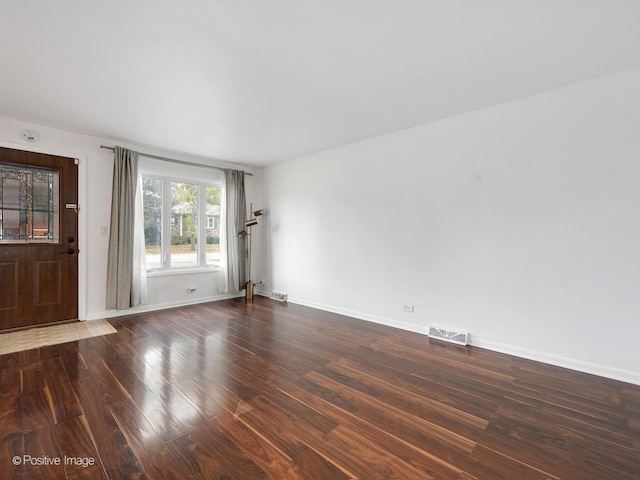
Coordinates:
173 160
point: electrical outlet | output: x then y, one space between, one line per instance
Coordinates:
407 308
191 289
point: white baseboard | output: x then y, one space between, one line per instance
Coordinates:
543 357
261 292
361 316
559 361
160 306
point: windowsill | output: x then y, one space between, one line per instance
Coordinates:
181 271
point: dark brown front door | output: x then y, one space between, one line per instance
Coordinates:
38 239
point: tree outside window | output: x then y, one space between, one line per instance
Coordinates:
172 210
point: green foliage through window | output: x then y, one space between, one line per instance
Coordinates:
182 213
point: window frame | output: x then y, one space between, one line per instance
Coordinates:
165 242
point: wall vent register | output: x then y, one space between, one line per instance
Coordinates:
448 335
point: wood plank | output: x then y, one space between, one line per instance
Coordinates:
200 463
36 410
11 425
131 470
40 451
212 439
10 383
269 458
154 457
62 399
399 422
10 448
78 452
94 394
428 464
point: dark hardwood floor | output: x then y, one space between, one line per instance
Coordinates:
268 390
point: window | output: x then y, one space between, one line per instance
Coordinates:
29 204
174 235
152 205
184 224
213 221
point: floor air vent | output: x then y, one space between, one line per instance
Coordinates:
281 297
448 335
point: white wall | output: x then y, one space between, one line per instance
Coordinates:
519 223
96 169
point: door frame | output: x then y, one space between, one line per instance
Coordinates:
82 215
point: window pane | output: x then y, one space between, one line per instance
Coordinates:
213 226
29 204
152 201
184 224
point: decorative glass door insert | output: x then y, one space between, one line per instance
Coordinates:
29 204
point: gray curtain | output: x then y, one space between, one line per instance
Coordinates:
234 217
124 255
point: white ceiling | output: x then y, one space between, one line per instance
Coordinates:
257 82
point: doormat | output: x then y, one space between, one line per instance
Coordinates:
43 336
